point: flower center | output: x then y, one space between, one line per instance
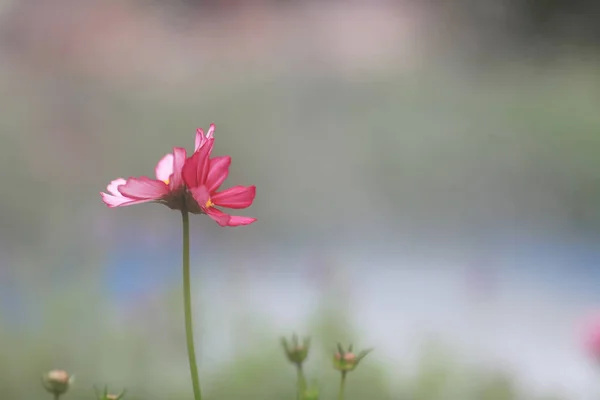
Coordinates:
166 181
209 203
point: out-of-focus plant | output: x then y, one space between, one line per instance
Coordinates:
346 361
108 396
296 353
57 382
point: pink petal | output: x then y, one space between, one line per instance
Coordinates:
119 201
144 189
203 168
211 131
236 220
179 157
228 220
112 187
112 200
115 198
218 169
201 195
202 138
235 197
164 168
195 169
218 216
188 172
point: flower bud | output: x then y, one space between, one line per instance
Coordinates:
345 361
296 352
57 381
108 396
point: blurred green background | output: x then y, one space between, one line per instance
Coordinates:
427 185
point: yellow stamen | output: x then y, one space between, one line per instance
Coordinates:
209 204
166 181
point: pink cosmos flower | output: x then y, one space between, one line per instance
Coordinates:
204 175
592 336
168 187
187 184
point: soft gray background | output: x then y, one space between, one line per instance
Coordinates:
422 179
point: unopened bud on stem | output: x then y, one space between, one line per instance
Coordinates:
345 361
295 351
57 382
107 396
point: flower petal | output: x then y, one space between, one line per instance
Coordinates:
115 198
112 187
195 169
211 131
120 201
144 188
201 195
112 200
179 157
218 169
235 197
237 220
164 168
228 220
201 138
218 216
188 172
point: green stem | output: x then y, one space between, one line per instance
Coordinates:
187 305
301 382
56 396
342 386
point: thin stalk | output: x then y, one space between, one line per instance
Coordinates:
342 386
187 305
301 382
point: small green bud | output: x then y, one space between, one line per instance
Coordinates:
296 352
57 381
345 361
108 396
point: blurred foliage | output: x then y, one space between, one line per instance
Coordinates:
517 131
132 360
554 116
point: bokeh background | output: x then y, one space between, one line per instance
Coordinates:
428 184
